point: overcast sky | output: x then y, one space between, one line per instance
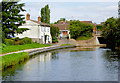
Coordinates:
96 11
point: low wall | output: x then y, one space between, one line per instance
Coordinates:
46 49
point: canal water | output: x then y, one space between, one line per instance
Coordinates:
73 64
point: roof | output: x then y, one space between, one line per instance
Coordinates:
90 22
41 23
64 25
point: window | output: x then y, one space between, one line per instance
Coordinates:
48 30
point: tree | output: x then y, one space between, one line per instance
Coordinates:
111 32
61 19
78 29
11 18
99 27
54 33
45 14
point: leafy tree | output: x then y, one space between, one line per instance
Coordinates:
78 29
111 32
61 19
54 33
11 18
99 27
45 14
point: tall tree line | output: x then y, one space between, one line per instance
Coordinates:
111 32
45 14
11 18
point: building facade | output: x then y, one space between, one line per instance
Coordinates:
39 32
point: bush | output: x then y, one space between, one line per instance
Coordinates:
10 42
54 40
25 40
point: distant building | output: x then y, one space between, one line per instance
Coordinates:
38 31
119 9
63 27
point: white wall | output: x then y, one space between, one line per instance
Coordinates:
35 31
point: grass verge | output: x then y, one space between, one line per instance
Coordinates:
83 38
65 45
14 48
13 59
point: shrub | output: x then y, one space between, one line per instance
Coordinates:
10 42
54 40
25 40
17 42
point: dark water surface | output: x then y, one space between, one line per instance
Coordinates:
74 64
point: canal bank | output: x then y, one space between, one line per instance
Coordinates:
71 64
31 52
14 58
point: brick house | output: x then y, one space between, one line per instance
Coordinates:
64 30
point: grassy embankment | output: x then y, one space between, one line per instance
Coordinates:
65 44
83 38
13 48
13 59
16 58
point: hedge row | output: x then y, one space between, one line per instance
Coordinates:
13 59
17 41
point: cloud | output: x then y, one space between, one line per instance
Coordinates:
70 0
97 12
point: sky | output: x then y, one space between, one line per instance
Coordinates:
87 10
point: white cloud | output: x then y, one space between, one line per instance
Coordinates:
70 0
97 12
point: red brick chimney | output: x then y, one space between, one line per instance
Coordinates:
28 16
61 22
39 19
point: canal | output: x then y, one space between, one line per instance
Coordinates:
73 64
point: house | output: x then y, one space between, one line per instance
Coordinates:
63 27
64 30
39 32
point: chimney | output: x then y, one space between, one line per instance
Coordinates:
28 16
61 22
39 19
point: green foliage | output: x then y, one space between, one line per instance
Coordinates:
12 18
78 29
14 48
54 33
65 44
54 39
99 27
13 59
45 14
111 32
17 41
61 19
25 40
3 37
83 38
9 42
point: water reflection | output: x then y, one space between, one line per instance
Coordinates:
84 49
74 64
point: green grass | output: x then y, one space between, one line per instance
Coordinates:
65 45
13 59
14 48
83 38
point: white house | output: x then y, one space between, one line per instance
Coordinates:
38 31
